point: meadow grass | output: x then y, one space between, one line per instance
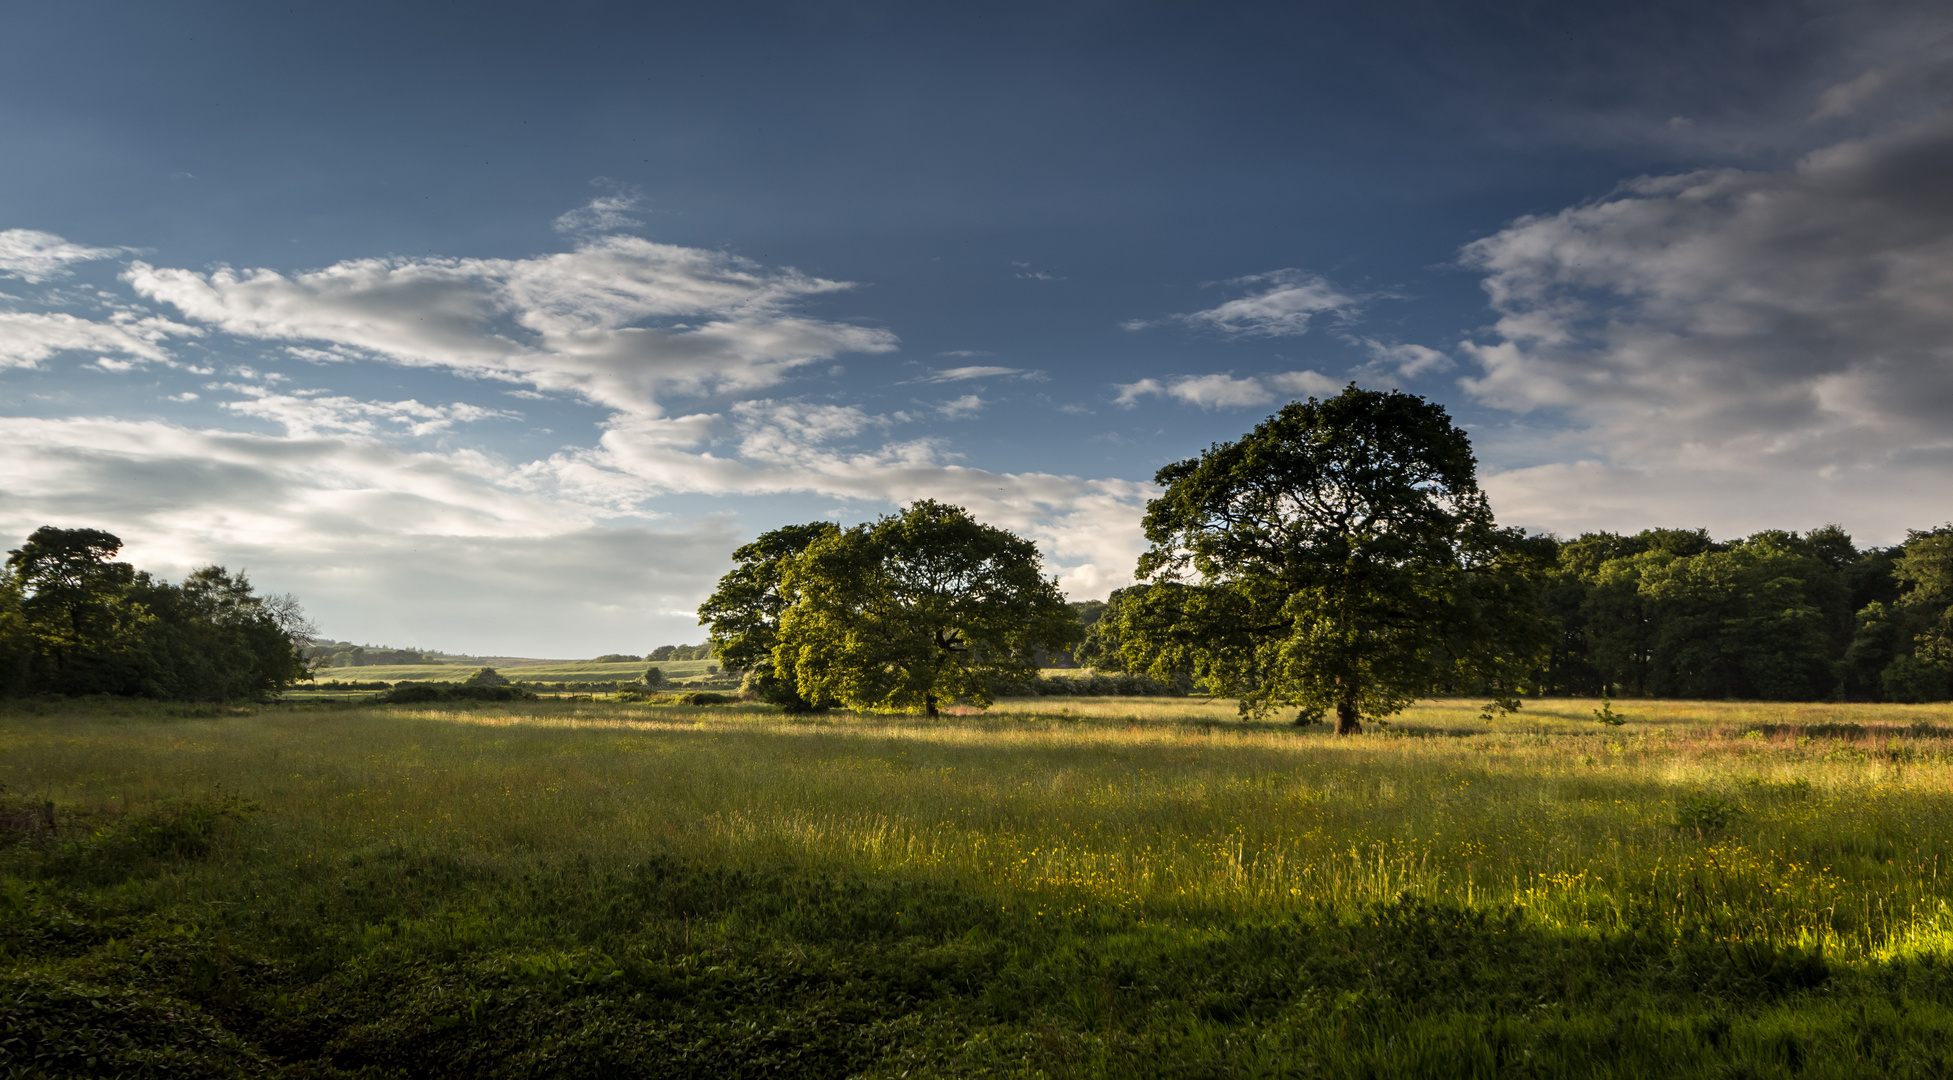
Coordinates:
1049 887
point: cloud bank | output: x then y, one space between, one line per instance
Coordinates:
1738 332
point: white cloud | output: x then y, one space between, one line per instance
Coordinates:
958 374
306 415
1406 361
1282 304
574 322
35 257
958 408
605 213
1219 391
27 338
1130 393
1776 328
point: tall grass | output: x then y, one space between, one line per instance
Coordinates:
1734 821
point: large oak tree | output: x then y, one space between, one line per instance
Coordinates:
1338 557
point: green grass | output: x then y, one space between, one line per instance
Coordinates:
1057 887
580 671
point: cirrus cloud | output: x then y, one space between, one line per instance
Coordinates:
620 321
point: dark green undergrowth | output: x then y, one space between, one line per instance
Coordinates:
397 963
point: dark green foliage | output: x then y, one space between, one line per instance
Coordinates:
73 622
326 654
1340 556
414 693
917 608
1776 616
744 614
1091 684
683 652
1702 814
619 658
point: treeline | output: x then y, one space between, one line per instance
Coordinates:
327 654
658 655
1776 616
74 621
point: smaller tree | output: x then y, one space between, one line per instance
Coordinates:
654 677
917 608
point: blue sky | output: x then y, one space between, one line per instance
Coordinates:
497 327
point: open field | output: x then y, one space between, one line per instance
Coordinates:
1061 887
580 671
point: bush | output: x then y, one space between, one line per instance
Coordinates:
1706 813
415 693
1091 684
1912 680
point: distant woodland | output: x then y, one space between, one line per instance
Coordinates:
1777 616
75 621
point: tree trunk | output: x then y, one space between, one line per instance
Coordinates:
929 706
1346 718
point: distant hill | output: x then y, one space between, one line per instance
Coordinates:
338 654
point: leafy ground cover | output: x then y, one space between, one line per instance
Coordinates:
1102 887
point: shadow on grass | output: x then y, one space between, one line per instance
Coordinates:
391 962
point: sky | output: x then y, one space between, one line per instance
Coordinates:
495 328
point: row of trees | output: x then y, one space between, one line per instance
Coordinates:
1672 613
1340 558
325 654
74 621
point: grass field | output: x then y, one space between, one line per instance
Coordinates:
578 671
1079 887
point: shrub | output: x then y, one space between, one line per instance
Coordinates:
1912 680
1706 813
415 693
1092 684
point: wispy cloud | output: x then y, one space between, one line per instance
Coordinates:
965 406
620 321
1406 361
309 414
36 257
27 338
1219 391
959 374
603 214
1281 303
